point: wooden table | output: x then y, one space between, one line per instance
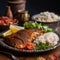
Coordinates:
55 51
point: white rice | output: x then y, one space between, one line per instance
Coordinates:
46 17
50 38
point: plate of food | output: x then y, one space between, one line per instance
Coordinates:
32 38
49 18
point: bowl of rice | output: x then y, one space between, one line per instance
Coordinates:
49 18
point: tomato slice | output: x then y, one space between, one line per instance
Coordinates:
29 46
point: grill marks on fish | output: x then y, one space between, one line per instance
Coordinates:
23 36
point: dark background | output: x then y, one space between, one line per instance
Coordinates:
35 6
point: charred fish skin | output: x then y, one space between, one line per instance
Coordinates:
23 36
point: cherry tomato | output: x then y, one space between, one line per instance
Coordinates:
29 46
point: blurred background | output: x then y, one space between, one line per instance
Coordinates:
35 6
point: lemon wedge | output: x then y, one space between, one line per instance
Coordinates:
14 29
7 33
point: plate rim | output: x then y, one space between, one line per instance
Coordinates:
26 51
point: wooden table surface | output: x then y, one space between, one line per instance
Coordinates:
55 51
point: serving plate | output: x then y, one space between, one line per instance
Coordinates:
2 43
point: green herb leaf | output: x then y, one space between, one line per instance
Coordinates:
38 26
42 46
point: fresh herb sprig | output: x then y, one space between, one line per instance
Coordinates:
42 46
38 26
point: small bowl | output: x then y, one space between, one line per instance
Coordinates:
48 18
